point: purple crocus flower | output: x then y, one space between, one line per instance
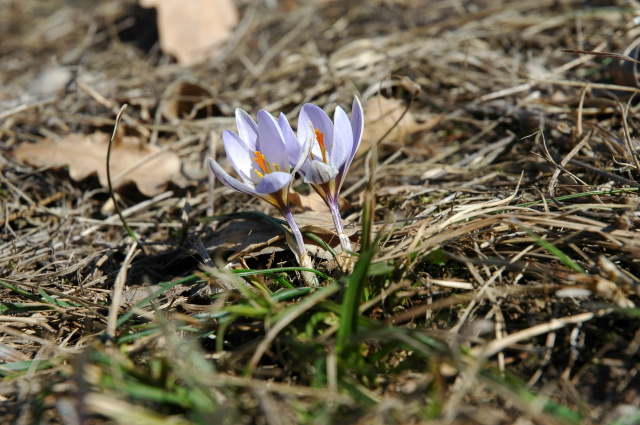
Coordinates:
260 153
334 146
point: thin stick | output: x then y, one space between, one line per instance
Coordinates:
118 288
46 201
562 166
627 137
496 346
111 192
211 204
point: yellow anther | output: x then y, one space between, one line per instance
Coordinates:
262 163
323 149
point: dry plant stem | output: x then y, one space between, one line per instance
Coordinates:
563 164
604 173
496 346
627 138
583 94
32 207
547 78
44 342
211 200
117 291
109 104
109 180
125 213
6 114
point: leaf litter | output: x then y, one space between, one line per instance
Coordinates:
533 291
149 167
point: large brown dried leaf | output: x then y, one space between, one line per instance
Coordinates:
241 238
246 237
194 30
382 113
316 218
150 168
313 202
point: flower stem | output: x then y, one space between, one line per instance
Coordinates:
302 249
303 257
337 221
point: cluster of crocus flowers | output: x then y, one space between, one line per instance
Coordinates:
267 154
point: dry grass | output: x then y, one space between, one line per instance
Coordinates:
505 277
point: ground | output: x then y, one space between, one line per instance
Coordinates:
496 254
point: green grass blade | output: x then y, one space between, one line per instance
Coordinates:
250 272
553 250
52 300
165 286
525 396
582 195
356 283
20 291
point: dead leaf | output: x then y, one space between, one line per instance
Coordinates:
149 167
246 237
194 30
315 218
313 202
381 114
241 238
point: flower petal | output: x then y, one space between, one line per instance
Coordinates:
238 154
247 128
357 125
318 172
229 181
319 120
273 182
271 141
290 140
303 161
340 148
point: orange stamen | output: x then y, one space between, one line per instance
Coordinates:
261 161
323 149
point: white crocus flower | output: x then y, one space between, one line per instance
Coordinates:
334 146
260 154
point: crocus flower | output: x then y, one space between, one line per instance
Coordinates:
259 154
334 146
